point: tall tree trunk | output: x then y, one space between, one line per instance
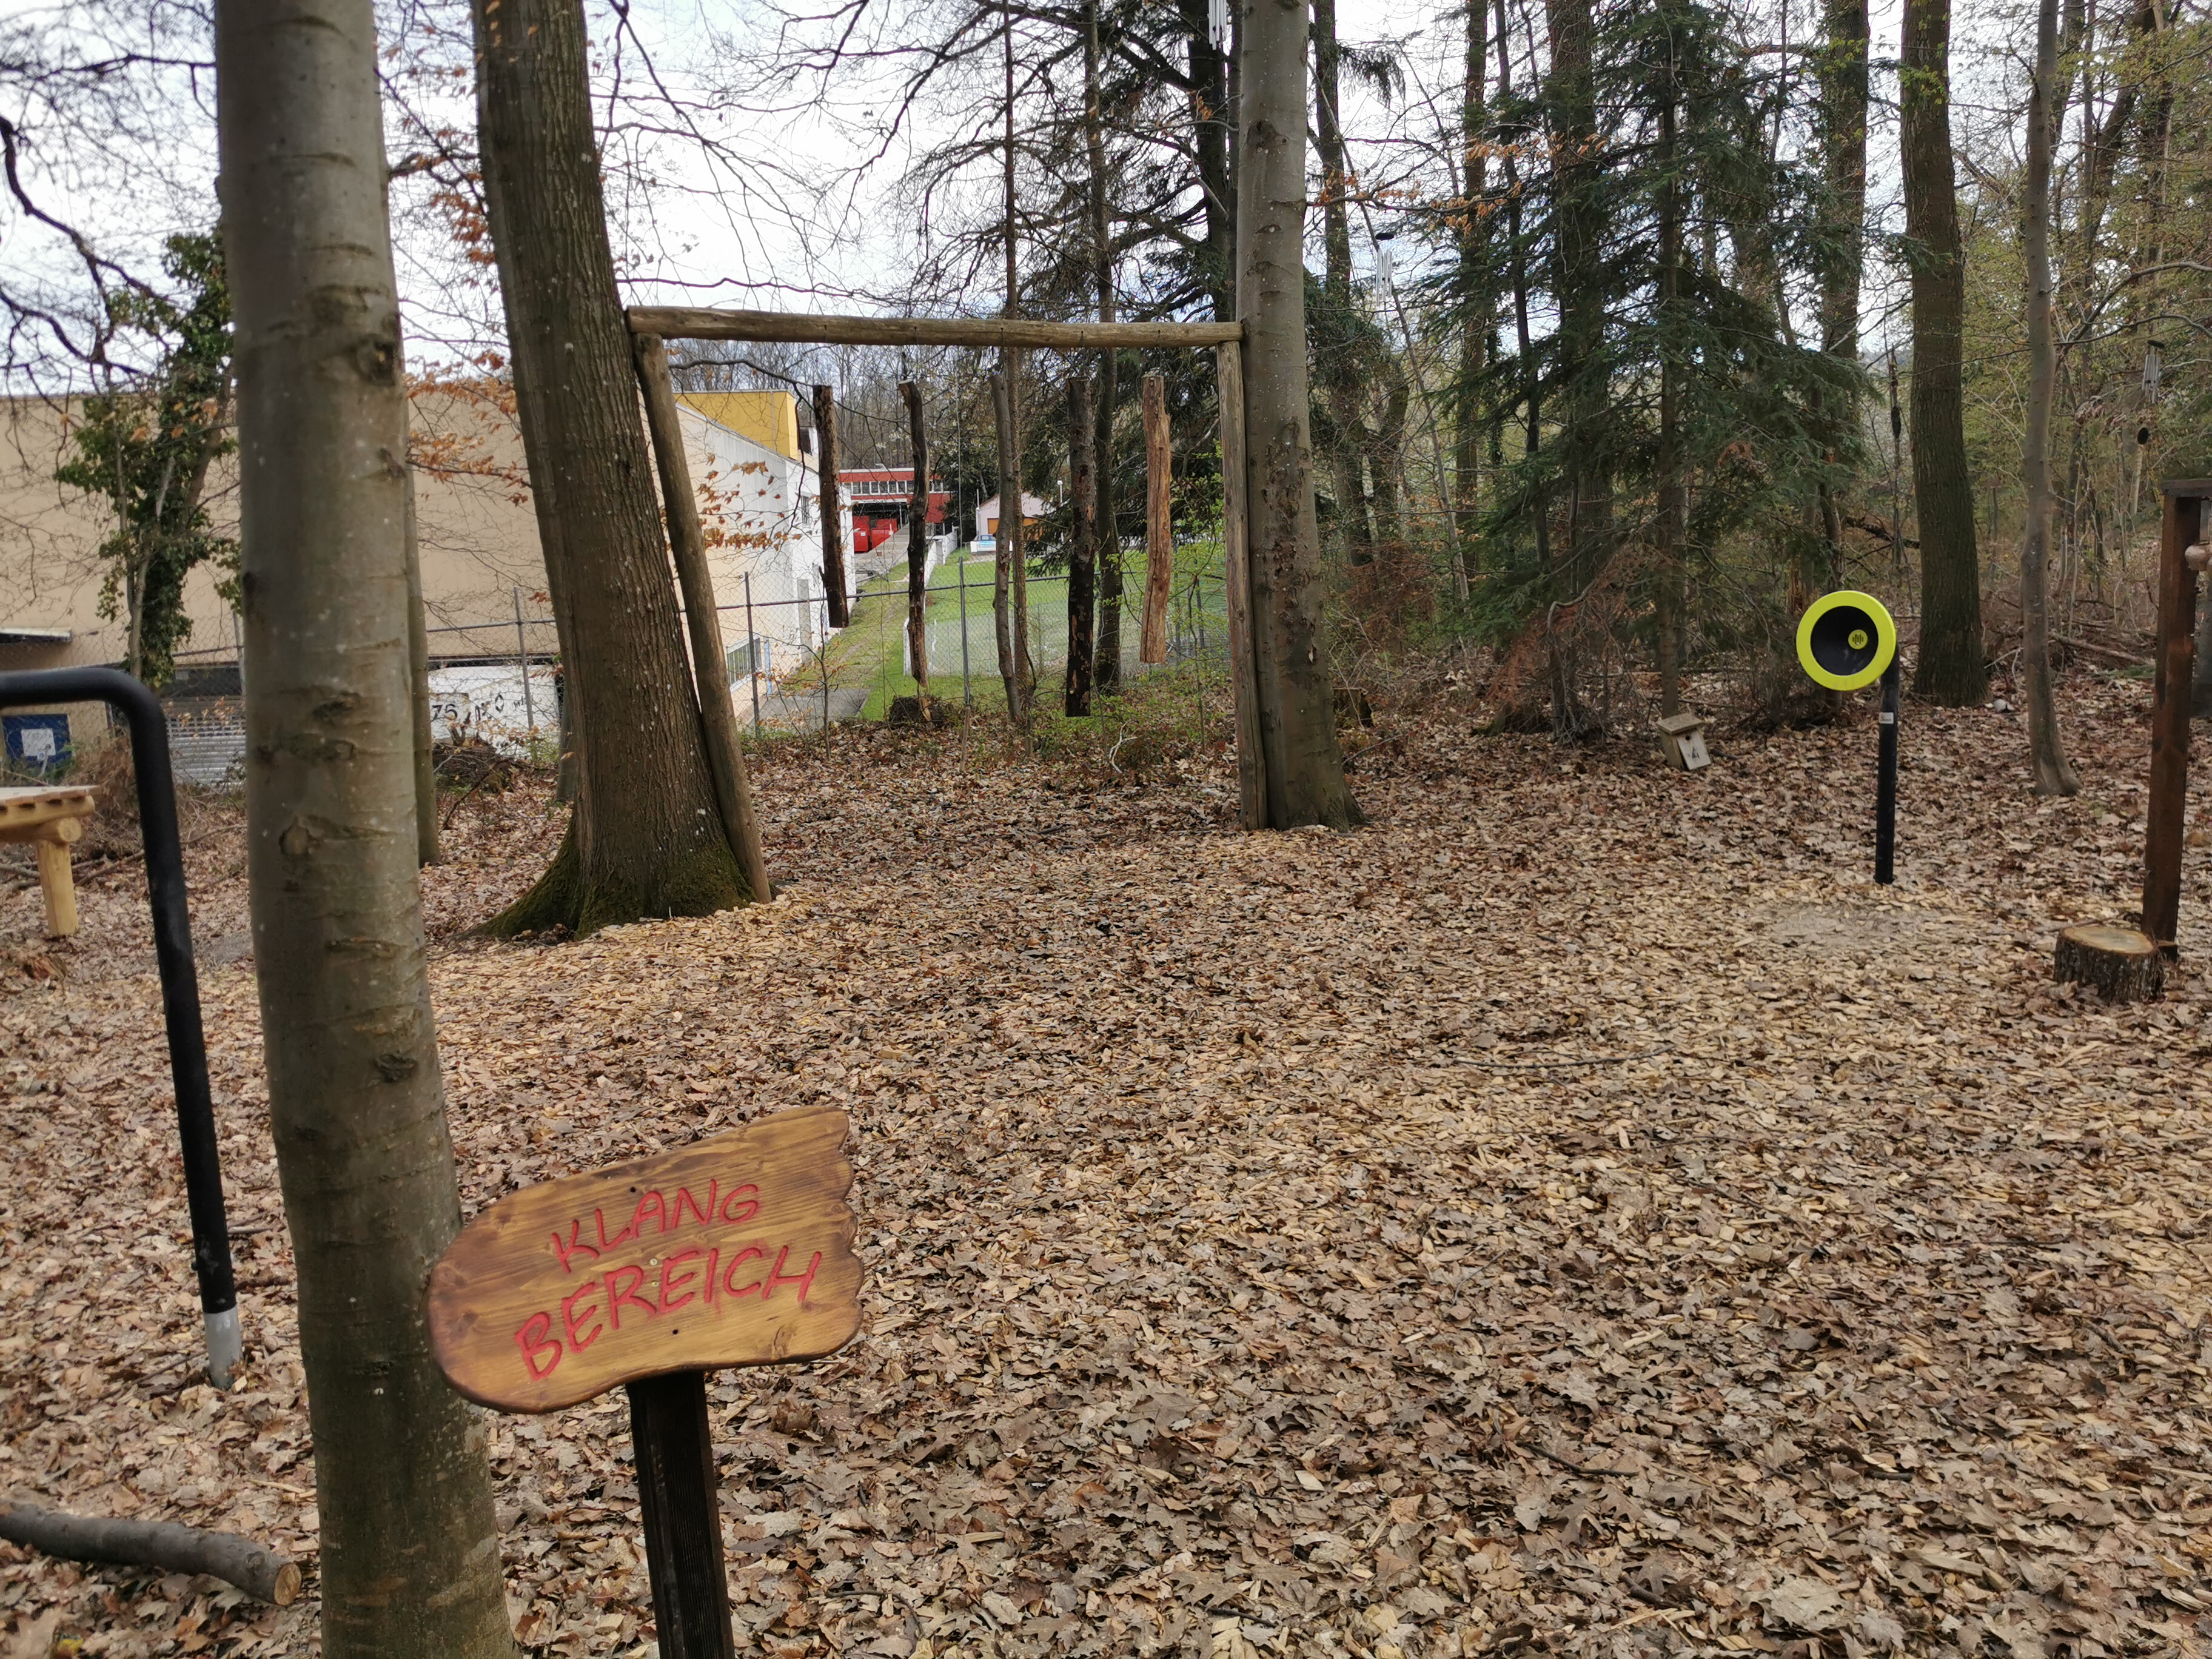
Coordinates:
1210 127
1010 490
1082 549
1297 721
1672 599
1106 667
1951 669
1340 369
2054 774
1844 96
646 837
418 687
1579 281
917 545
1478 307
836 600
1015 552
409 1544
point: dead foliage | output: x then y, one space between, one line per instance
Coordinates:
1578 1214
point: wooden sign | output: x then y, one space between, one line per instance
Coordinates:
733 1251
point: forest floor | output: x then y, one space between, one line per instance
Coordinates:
1578 1212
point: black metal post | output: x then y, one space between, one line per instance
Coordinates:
1885 792
676 1485
181 986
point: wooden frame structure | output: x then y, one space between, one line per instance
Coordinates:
51 820
2181 529
651 326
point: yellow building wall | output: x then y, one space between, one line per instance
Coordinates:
770 419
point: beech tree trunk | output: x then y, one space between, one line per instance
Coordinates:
647 836
1951 670
917 547
2054 774
1297 722
1082 549
410 1545
1475 318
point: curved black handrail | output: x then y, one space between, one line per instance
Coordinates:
180 987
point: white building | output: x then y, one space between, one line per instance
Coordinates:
986 513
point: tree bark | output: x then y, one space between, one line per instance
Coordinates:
1210 129
1951 670
1844 98
410 1545
1106 662
1297 724
1010 365
1159 539
839 601
2054 774
1672 603
1586 392
646 838
1476 307
917 546
1010 490
1339 374
1082 550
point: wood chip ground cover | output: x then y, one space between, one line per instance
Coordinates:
1577 1212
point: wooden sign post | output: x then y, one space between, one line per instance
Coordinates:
733 1251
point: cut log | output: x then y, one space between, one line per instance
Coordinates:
2123 964
162 1545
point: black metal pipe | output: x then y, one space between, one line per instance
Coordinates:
180 987
1884 789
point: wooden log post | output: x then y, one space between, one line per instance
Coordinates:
710 671
163 1546
2183 524
833 518
917 547
1159 539
1237 581
2121 963
56 886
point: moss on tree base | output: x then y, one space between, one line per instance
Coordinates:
696 883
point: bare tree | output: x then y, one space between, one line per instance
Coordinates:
409 1551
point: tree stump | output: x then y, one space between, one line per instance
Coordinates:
2122 963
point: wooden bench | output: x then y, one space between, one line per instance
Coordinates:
51 819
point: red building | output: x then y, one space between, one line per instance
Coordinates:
882 492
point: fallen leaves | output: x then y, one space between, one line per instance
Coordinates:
1579 1212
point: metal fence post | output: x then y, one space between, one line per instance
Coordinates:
522 657
967 697
752 654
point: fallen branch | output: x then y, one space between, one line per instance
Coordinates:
260 1572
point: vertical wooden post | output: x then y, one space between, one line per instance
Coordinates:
832 520
1159 540
917 547
2184 522
56 885
676 1485
710 670
1237 571
1006 538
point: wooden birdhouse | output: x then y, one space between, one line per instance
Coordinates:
1682 739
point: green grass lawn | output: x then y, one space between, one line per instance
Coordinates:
872 651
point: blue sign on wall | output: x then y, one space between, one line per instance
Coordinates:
37 743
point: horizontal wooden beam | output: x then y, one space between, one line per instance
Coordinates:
685 323
2185 488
